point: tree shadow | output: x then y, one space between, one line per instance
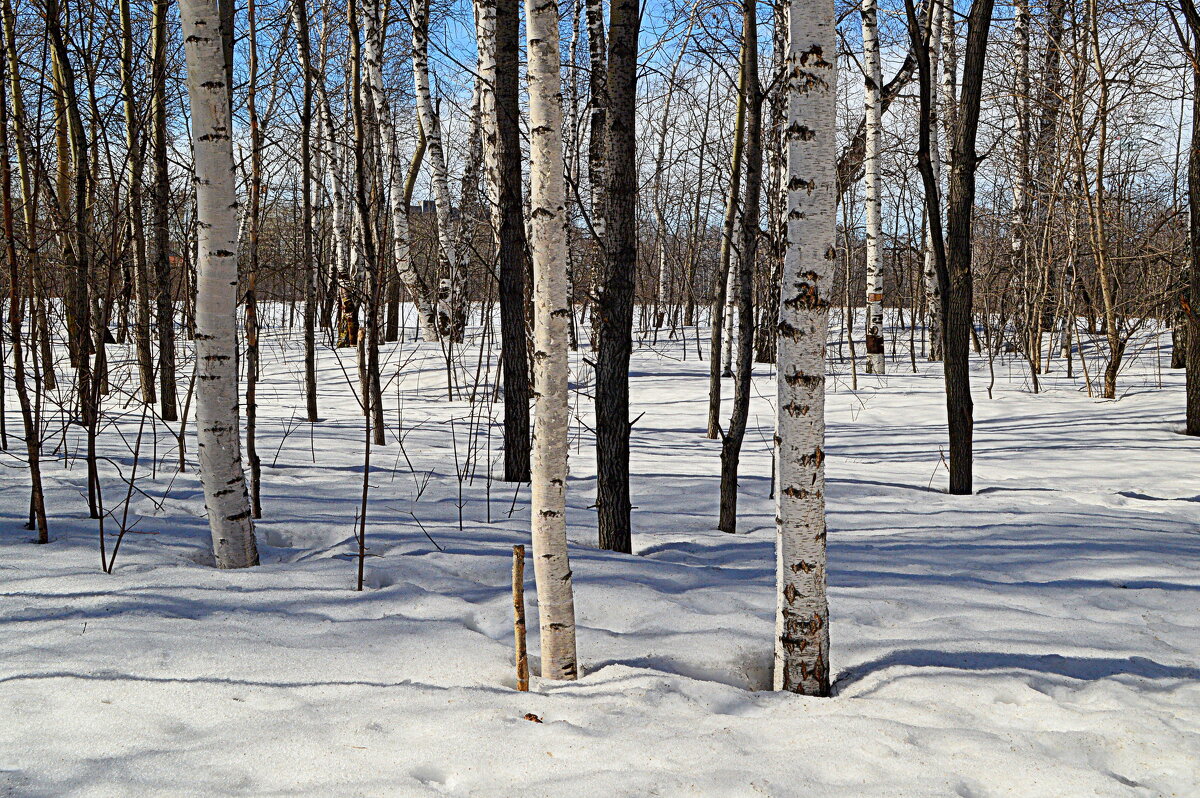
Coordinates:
1082 668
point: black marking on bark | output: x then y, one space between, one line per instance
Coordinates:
813 460
794 410
814 56
808 297
801 132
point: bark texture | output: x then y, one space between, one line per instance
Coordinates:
614 302
802 614
548 244
221 475
872 112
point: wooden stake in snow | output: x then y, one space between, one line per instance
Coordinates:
519 618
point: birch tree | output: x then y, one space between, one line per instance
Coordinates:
221 474
548 245
802 611
406 271
872 112
436 152
597 109
933 293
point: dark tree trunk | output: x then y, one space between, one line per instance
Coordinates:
76 251
160 201
720 292
953 256
1191 301
511 236
253 462
37 504
731 443
956 301
613 314
300 12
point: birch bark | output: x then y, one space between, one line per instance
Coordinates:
435 151
597 109
552 571
345 272
933 292
872 113
802 616
221 475
418 292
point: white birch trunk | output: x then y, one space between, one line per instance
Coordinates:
402 244
933 291
334 164
218 441
948 116
485 46
949 80
1023 191
374 48
802 616
433 134
597 110
468 205
872 113
732 283
548 246
660 169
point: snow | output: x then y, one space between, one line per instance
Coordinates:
1039 638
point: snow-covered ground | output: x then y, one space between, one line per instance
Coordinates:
1040 638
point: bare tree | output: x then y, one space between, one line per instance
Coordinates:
221 475
802 610
614 288
548 244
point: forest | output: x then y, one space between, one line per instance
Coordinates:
626 398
